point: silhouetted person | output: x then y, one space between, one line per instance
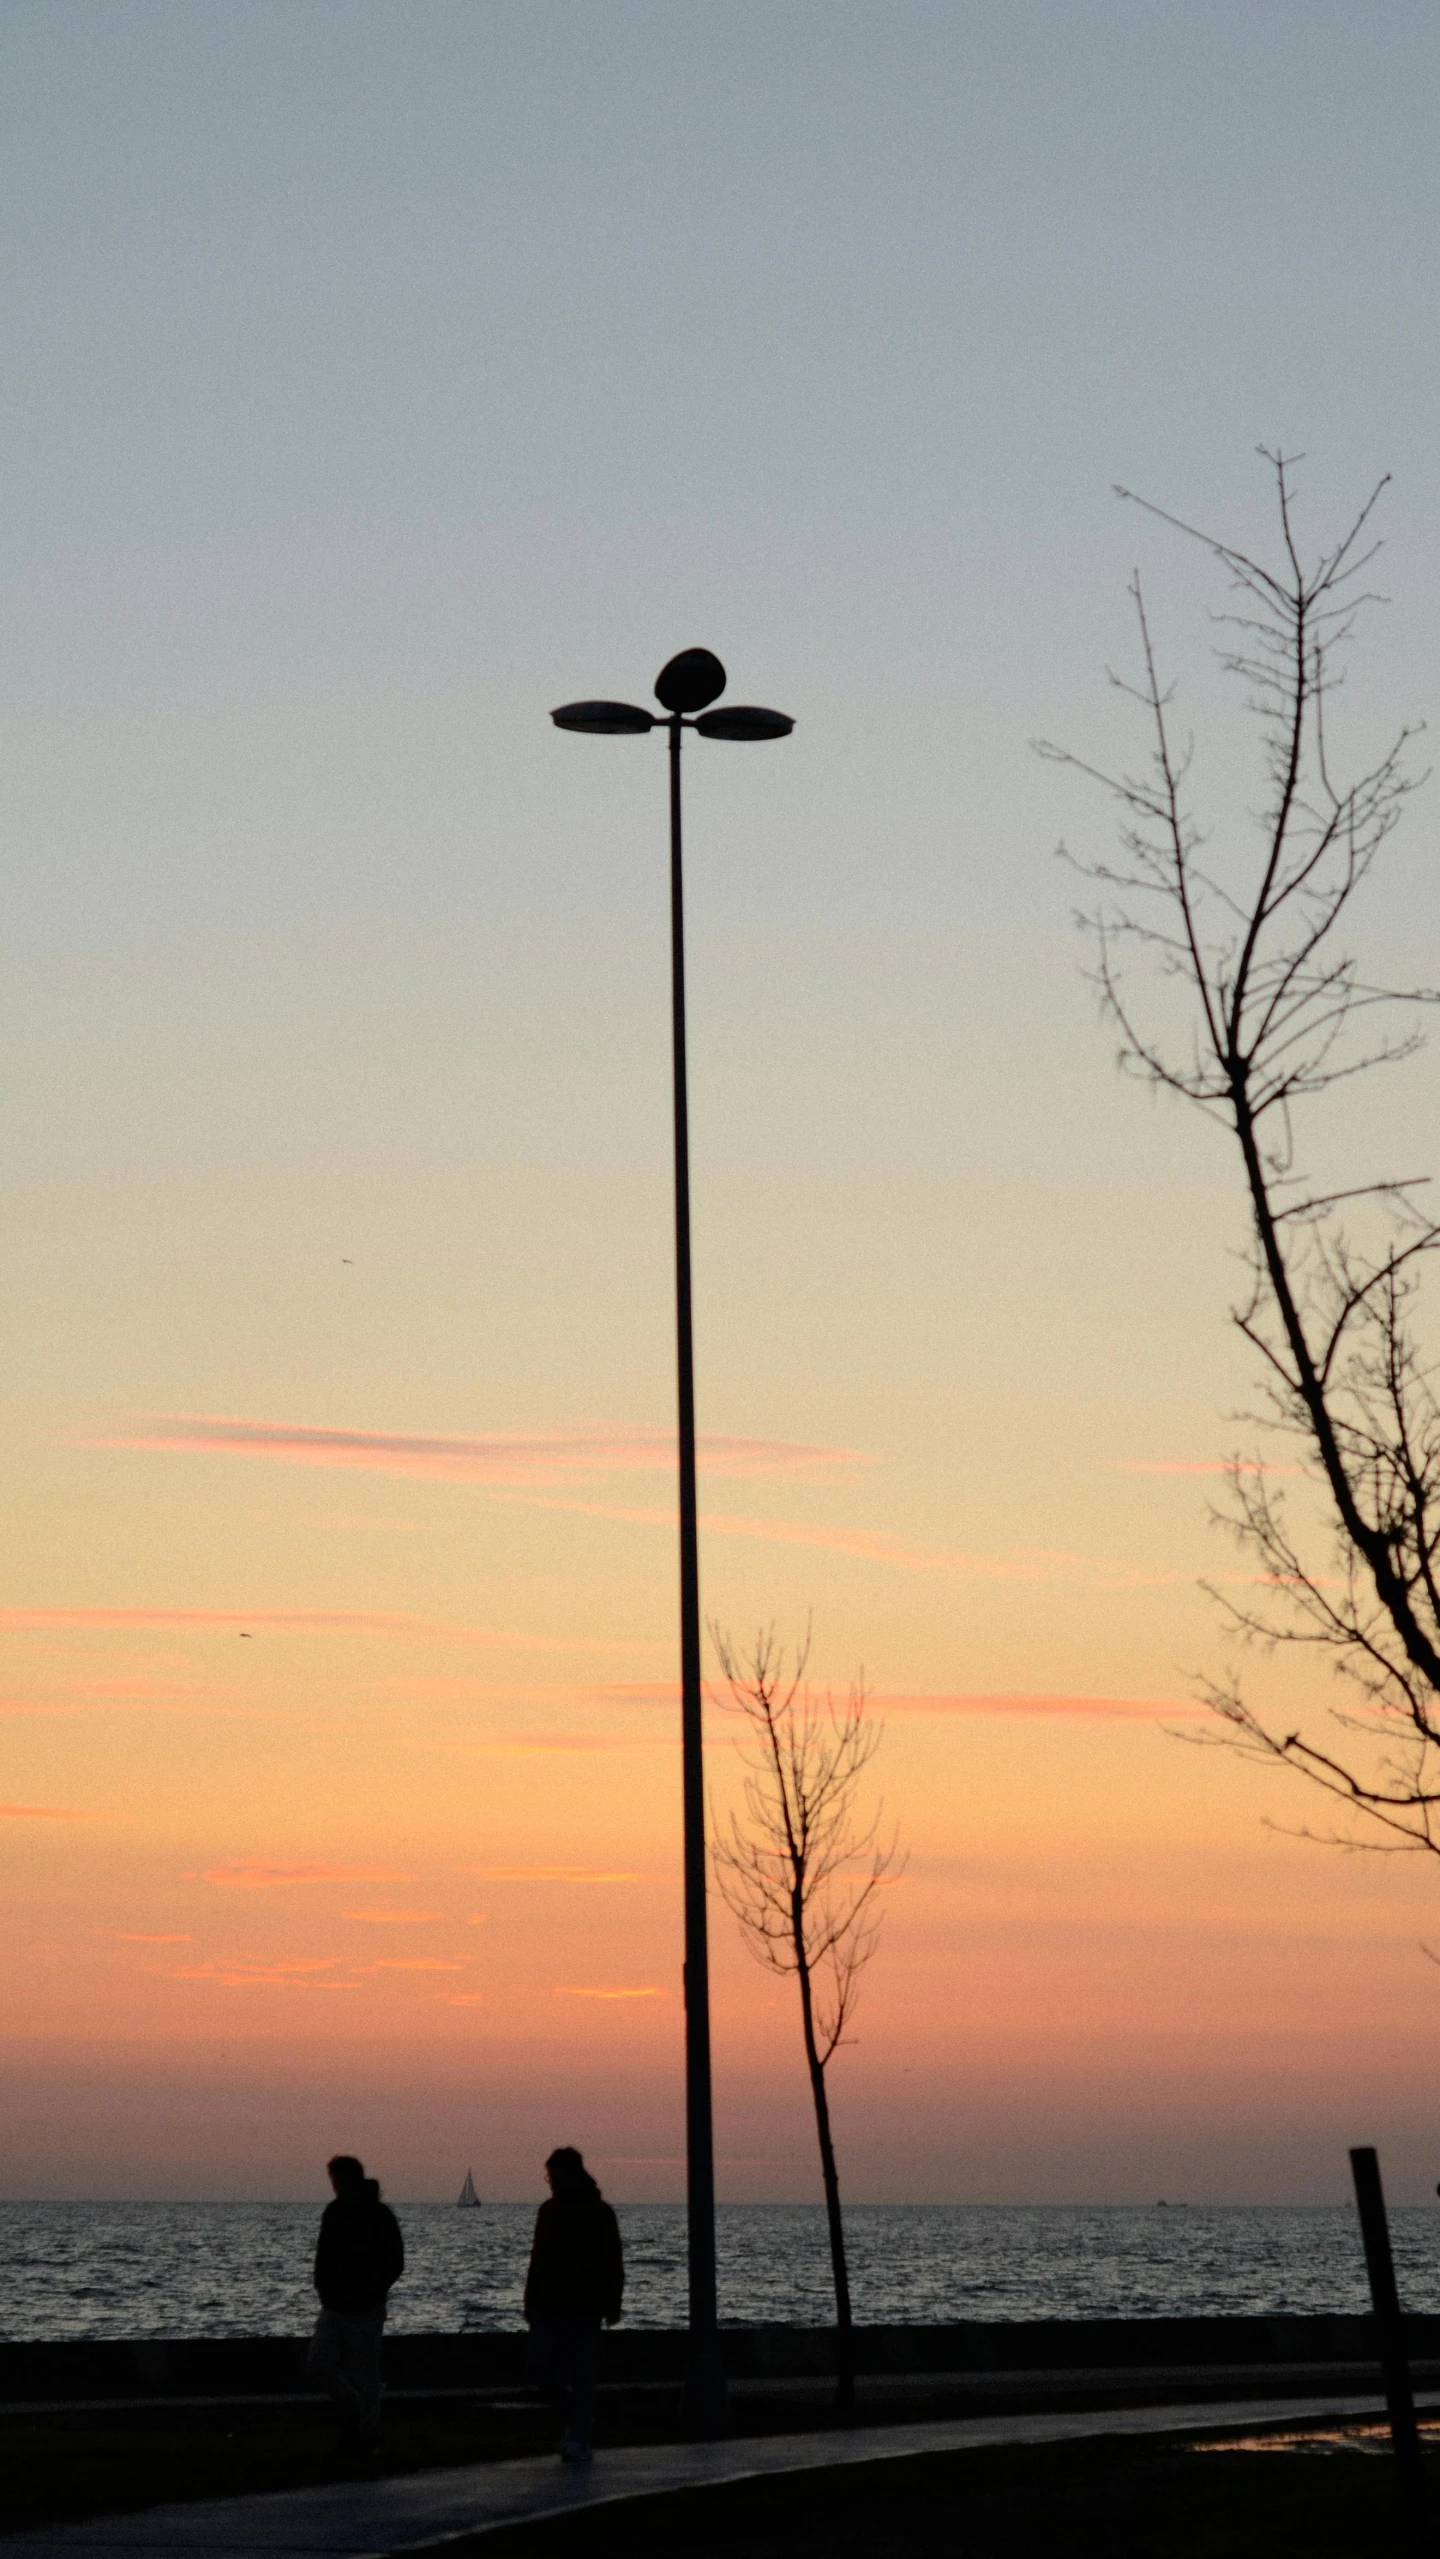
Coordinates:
576 2279
360 2255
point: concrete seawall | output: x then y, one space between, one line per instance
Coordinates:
75 2370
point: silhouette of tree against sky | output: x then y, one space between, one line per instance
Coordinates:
1225 966
801 1868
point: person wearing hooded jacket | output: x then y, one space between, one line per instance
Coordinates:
575 2283
359 2256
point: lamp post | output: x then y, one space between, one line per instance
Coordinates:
685 687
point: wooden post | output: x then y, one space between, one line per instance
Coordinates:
1390 2332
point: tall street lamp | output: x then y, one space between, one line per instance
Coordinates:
685 687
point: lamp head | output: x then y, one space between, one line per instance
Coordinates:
604 719
741 720
689 681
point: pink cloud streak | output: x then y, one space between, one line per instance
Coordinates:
617 1695
664 1695
302 1621
300 1972
579 1990
416 1964
1109 1709
532 1745
506 1465
867 1545
552 1874
45 1813
257 1875
879 1546
394 1918
494 1457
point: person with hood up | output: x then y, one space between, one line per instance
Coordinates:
575 2282
360 2255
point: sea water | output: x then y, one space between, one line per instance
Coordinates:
225 2270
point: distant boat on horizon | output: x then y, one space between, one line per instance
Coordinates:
467 2194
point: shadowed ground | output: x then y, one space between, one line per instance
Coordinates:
1041 2483
1103 2500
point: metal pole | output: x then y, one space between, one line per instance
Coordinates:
705 2397
1390 2332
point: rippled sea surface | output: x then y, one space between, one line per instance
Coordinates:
214 2270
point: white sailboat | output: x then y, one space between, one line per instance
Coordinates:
467 2195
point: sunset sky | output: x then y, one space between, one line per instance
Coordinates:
379 377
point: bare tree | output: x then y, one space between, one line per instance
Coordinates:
1274 1011
800 1869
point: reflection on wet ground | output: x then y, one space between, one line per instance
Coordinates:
1371 2435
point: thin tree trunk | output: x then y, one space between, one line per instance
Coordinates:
844 2329
1371 1543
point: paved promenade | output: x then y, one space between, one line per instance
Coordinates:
370 2519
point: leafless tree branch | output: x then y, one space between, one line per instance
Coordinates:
1275 1014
